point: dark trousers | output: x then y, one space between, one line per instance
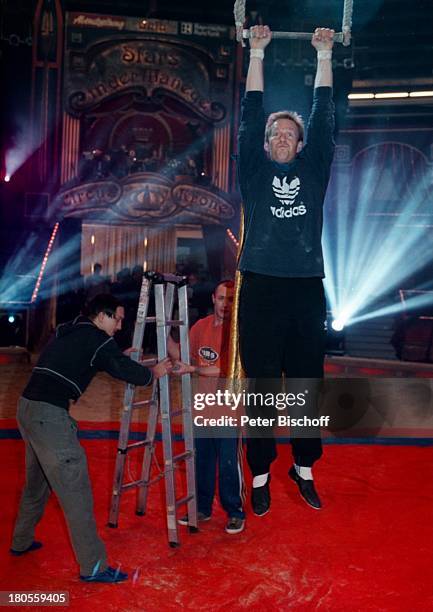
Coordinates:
281 330
221 452
55 460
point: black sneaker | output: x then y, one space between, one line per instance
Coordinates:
108 575
33 546
235 525
306 489
201 518
261 498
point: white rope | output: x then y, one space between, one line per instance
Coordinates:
239 14
347 15
342 37
346 26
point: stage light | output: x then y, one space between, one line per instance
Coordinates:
25 143
338 325
232 237
361 96
421 94
370 251
18 287
335 335
7 178
391 94
44 263
12 331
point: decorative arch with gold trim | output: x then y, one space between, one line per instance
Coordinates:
161 91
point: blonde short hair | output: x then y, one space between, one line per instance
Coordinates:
284 114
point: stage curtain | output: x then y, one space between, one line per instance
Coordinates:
124 246
161 249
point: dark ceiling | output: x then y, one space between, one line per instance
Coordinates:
393 39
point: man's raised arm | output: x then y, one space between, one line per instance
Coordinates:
323 41
260 39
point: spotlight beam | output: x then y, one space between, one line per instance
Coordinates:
367 257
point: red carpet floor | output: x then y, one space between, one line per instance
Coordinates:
370 548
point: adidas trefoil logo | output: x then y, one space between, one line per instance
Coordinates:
285 192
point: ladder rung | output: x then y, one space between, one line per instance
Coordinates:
141 403
156 479
158 278
149 362
175 279
129 485
177 413
184 500
135 445
182 456
150 319
139 483
170 323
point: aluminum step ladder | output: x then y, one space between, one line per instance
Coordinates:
165 287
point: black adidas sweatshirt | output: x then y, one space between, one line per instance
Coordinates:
283 203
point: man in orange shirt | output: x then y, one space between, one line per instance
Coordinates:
209 347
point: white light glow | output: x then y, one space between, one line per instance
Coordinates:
25 144
372 244
421 94
361 96
337 325
391 94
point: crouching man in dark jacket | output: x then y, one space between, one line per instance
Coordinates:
54 457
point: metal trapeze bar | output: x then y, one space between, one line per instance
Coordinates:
343 37
339 37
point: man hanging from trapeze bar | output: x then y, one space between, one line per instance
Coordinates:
283 176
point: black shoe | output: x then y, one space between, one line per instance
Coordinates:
261 498
306 489
33 546
108 575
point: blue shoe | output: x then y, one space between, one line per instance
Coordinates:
33 546
200 518
235 524
109 574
